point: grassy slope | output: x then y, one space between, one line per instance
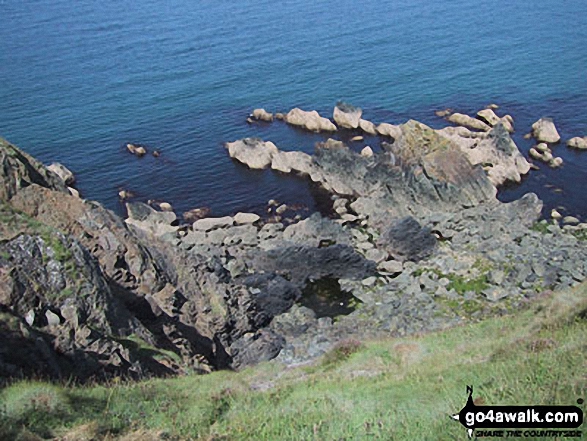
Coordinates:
390 389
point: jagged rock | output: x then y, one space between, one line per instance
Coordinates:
495 150
18 170
287 162
262 115
63 172
467 121
212 223
149 220
406 239
254 348
347 116
246 218
309 120
253 152
488 116
367 127
385 129
544 130
73 192
578 142
508 123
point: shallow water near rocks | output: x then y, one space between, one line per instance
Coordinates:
326 298
81 79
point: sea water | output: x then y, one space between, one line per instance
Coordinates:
80 79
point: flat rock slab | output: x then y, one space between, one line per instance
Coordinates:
212 223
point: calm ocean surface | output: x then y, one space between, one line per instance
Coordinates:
80 79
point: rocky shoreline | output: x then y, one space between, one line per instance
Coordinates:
418 242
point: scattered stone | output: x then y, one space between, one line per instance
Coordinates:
309 120
136 149
262 115
492 106
391 266
367 152
556 162
280 116
124 195
555 214
544 130
357 138
347 116
212 223
535 154
52 318
246 218
63 172
369 281
349 217
376 255
281 209
156 153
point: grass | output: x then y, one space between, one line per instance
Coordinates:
400 389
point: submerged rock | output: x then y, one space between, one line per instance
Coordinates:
262 115
578 143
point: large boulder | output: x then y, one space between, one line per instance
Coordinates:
405 239
544 130
467 121
253 152
347 116
386 129
367 127
309 120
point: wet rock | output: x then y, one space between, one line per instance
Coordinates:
367 127
578 142
467 121
253 152
262 115
309 120
544 130
367 152
556 162
136 150
347 116
385 129
63 172
195 214
488 116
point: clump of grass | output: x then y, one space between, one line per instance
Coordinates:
341 352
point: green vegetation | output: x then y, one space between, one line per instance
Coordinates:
400 389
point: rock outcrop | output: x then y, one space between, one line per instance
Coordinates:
253 152
309 120
347 116
544 130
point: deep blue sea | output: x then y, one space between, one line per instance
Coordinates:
80 79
